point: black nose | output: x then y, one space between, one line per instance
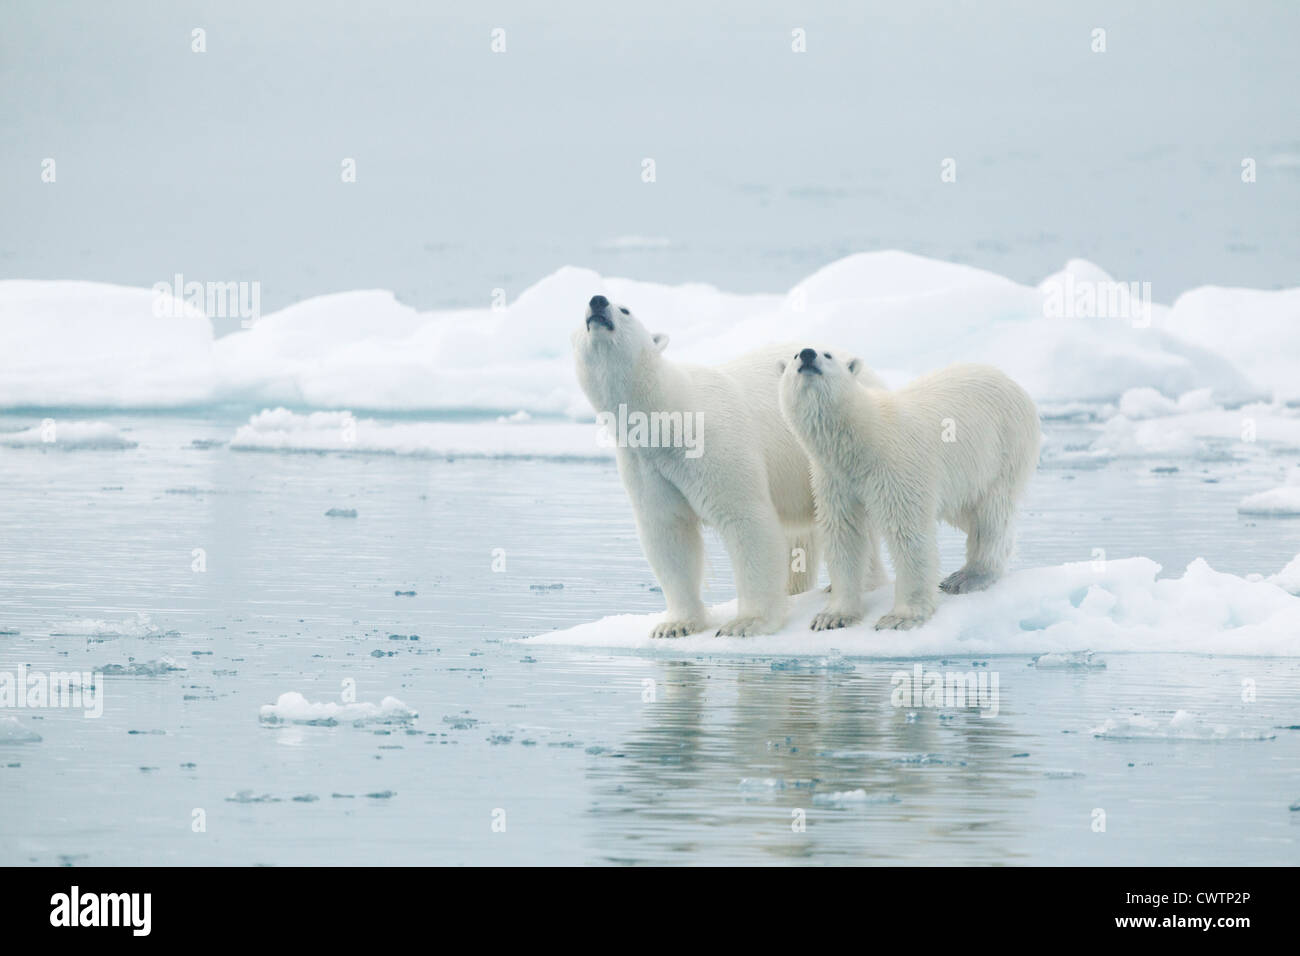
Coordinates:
598 303
808 356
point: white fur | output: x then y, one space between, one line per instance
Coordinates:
881 462
751 480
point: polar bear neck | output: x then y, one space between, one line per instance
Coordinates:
643 384
836 424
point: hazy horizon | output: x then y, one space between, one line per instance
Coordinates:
478 170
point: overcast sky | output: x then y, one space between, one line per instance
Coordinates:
478 170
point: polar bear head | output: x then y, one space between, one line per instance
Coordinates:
609 346
813 381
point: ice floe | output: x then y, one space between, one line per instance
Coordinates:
139 625
283 430
1276 502
1181 726
293 708
61 435
13 731
1070 609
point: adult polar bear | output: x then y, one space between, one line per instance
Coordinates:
956 445
745 475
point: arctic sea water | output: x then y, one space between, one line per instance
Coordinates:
544 754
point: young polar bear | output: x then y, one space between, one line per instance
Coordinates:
703 445
956 445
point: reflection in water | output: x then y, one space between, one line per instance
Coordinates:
737 742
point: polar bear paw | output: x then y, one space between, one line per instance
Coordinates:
675 629
744 627
965 581
830 620
902 619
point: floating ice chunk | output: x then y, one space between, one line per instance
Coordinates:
293 708
1146 402
164 665
249 796
1277 502
283 430
832 663
68 435
852 798
928 760
1123 438
1068 661
1182 726
138 626
12 731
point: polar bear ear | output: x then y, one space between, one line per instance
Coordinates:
660 341
780 365
855 366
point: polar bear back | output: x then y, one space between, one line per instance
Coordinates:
977 429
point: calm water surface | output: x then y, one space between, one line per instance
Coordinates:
564 741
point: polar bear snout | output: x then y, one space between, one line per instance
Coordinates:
808 361
598 313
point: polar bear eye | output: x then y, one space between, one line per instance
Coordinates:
624 311
827 354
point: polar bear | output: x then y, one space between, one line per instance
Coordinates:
956 445
696 446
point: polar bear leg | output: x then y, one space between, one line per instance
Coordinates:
805 561
850 542
756 544
990 539
877 576
670 536
914 546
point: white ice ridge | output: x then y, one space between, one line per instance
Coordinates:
62 435
1115 606
1275 502
293 708
283 430
83 344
